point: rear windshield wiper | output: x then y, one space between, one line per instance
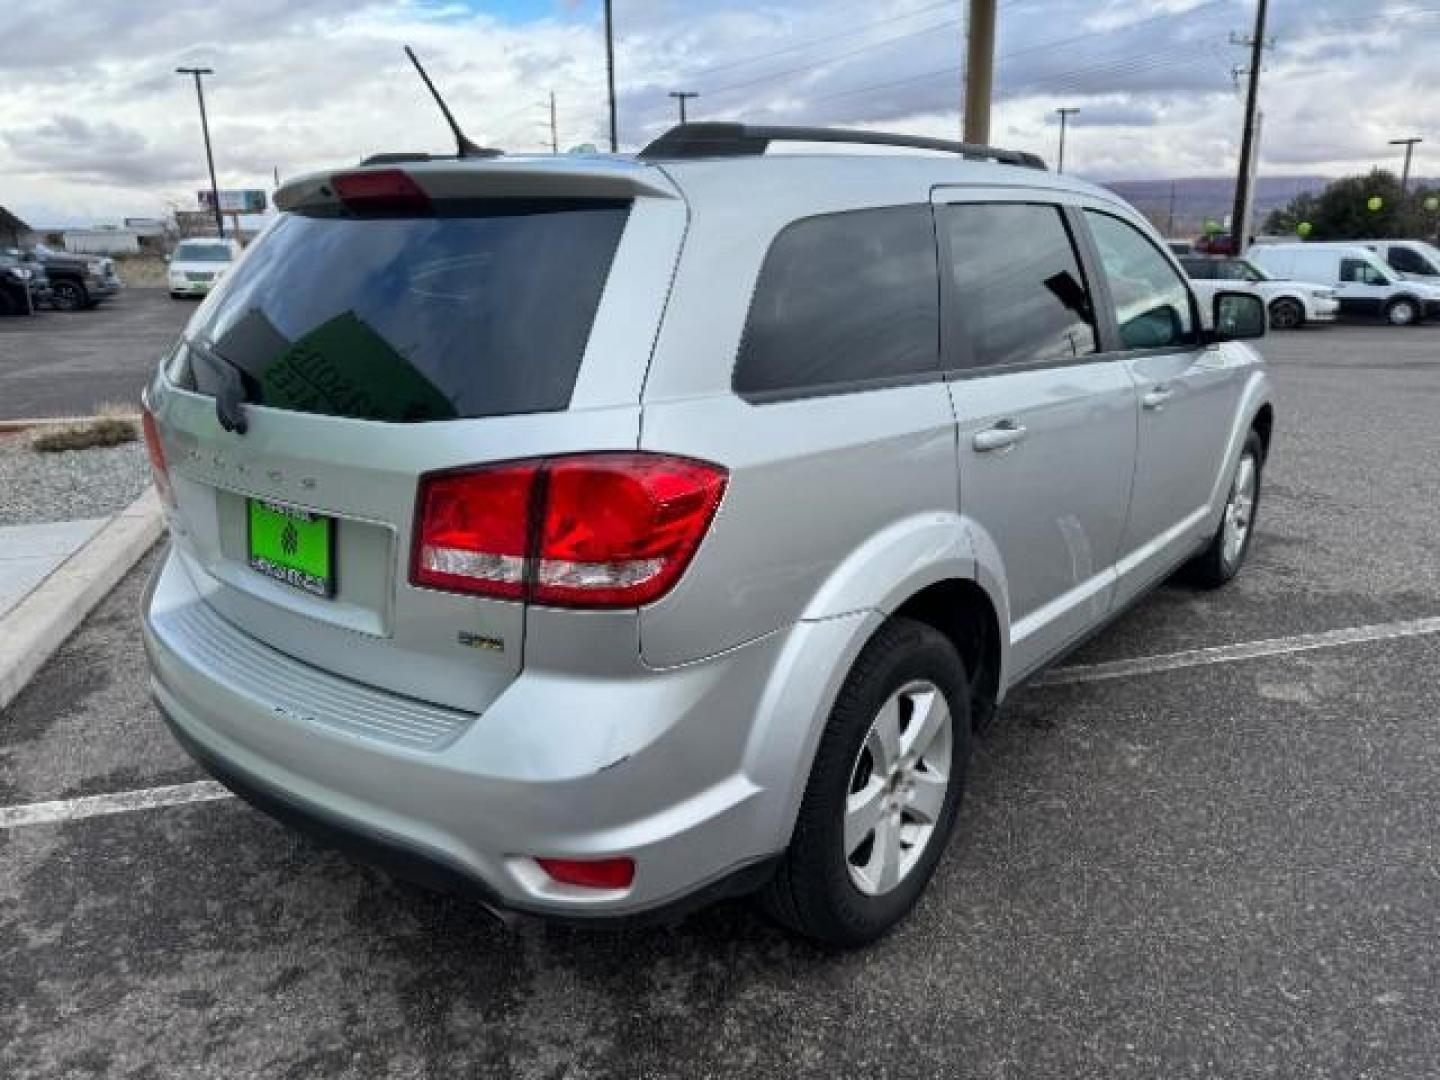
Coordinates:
230 397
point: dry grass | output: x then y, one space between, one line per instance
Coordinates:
85 435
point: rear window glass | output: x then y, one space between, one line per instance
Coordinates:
415 319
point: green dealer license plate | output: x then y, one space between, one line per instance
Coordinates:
293 546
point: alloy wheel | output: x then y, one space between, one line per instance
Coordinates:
897 787
1240 510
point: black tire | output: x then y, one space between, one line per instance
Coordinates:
1286 313
9 305
1402 311
813 892
1212 568
69 295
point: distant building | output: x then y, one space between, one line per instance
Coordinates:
102 241
13 231
153 234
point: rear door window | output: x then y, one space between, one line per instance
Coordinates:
456 315
844 301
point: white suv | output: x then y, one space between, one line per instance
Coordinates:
1292 304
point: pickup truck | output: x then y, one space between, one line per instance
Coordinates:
76 281
16 279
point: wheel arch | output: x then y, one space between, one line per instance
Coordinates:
1264 424
1409 298
1290 298
963 611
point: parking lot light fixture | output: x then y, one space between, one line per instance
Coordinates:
197 73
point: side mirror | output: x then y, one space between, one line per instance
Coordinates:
1238 317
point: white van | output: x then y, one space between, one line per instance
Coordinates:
1363 284
1415 259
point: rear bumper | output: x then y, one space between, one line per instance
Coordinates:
401 858
190 288
692 806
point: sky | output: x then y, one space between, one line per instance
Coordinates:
95 124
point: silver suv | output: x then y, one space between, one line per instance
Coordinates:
606 535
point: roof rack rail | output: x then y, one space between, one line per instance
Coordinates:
711 139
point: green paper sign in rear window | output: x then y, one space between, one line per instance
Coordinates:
485 313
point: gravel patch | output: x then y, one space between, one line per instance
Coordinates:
70 485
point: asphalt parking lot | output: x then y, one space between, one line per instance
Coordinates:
1225 869
65 363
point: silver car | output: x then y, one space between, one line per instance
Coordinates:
606 535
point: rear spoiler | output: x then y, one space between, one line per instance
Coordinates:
501 178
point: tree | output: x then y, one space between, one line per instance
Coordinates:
1342 211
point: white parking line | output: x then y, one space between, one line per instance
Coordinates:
124 802
1229 654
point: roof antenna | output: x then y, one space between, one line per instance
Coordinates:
463 147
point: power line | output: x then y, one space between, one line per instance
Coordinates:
1056 81
950 70
948 24
754 57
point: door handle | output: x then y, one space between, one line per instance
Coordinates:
1002 436
1156 398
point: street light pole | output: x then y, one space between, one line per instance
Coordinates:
1065 114
681 96
554 128
610 74
209 156
1409 145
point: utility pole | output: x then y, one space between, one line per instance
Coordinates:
1170 218
610 74
205 127
979 70
681 96
1241 214
1065 114
554 129
1409 145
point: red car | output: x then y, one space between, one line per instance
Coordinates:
1216 244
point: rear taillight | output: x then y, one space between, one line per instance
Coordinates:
158 466
590 530
474 530
381 191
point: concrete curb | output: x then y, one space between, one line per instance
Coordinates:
48 421
32 630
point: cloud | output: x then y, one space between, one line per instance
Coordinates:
96 124
94 152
